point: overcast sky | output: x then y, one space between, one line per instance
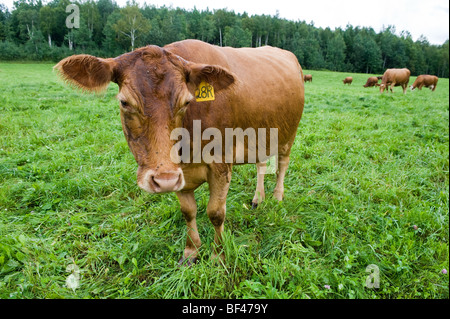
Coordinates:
420 17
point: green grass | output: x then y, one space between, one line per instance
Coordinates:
365 168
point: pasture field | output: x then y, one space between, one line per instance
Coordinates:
368 184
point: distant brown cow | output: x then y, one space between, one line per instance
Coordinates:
191 88
395 77
348 80
425 80
372 81
307 78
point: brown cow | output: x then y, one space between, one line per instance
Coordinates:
395 77
307 78
348 80
372 81
429 81
161 92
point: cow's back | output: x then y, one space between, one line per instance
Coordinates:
398 76
270 87
428 79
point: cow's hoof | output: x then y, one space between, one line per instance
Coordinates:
254 205
188 262
218 259
278 195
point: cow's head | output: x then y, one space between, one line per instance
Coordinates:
382 87
155 89
412 87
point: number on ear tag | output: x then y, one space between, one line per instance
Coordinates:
204 92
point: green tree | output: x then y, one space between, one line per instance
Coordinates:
262 28
367 54
312 52
173 26
443 59
223 18
349 35
82 37
48 22
201 25
276 30
336 52
208 27
5 17
237 37
296 47
414 57
105 9
26 19
110 41
91 15
194 24
386 43
131 25
57 23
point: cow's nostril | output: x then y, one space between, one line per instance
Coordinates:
155 183
161 182
166 182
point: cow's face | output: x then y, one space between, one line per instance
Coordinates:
382 87
155 89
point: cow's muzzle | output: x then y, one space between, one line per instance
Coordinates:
161 182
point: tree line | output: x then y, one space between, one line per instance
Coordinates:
34 30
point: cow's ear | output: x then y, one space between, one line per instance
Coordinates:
86 72
215 75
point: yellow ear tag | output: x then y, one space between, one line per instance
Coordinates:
204 92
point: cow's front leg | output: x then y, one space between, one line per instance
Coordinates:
219 177
189 209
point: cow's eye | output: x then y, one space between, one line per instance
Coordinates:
189 100
126 106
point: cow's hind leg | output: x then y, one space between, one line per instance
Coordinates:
283 163
189 210
259 193
219 177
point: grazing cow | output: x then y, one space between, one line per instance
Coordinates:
372 81
348 80
429 81
162 90
307 78
395 77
